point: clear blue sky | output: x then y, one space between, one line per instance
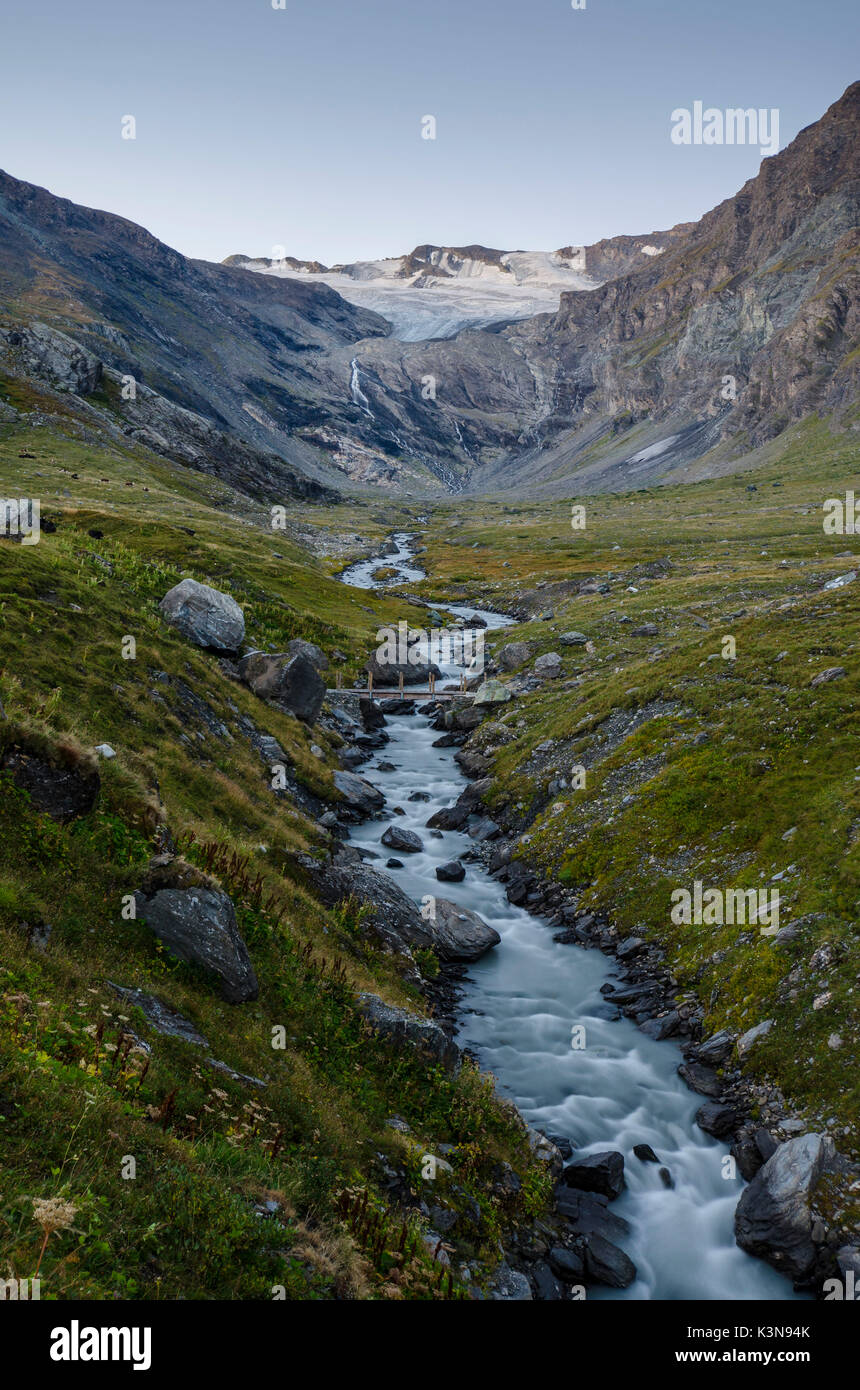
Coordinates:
301 127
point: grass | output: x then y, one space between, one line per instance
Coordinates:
86 1084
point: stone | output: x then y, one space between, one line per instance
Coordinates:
573 639
510 1286
546 1151
833 673
370 714
63 793
198 925
404 1029
493 692
105 751
513 655
716 1050
606 1264
292 682
700 1078
600 1172
718 1120
457 933
548 666
204 615
452 872
358 794
774 1217
567 1265
754 1035
406 841
585 1212
644 630
163 1018
645 1153
299 647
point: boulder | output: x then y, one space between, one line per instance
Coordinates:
511 1286
358 793
409 1030
299 647
456 933
717 1119
567 1265
548 666
586 1212
606 1264
492 692
63 793
198 925
371 715
774 1217
754 1035
600 1172
701 1078
406 841
573 639
450 817
644 630
204 615
290 681
513 655
451 873
163 1018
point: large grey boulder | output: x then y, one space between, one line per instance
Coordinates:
456 933
548 666
406 841
299 647
774 1215
493 692
389 912
198 925
513 655
359 794
291 681
606 1264
600 1172
204 615
409 1030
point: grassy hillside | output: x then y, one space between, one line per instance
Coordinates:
737 772
85 1082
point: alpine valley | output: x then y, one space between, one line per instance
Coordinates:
370 966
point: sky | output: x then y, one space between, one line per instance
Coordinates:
301 127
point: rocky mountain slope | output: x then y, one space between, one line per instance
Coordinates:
242 356
747 322
676 366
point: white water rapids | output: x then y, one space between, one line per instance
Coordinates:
521 1002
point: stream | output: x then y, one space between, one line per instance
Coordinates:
520 1004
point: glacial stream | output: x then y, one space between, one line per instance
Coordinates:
520 1005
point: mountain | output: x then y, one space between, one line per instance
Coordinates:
227 367
436 291
749 321
700 343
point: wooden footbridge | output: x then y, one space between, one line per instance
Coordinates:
403 692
